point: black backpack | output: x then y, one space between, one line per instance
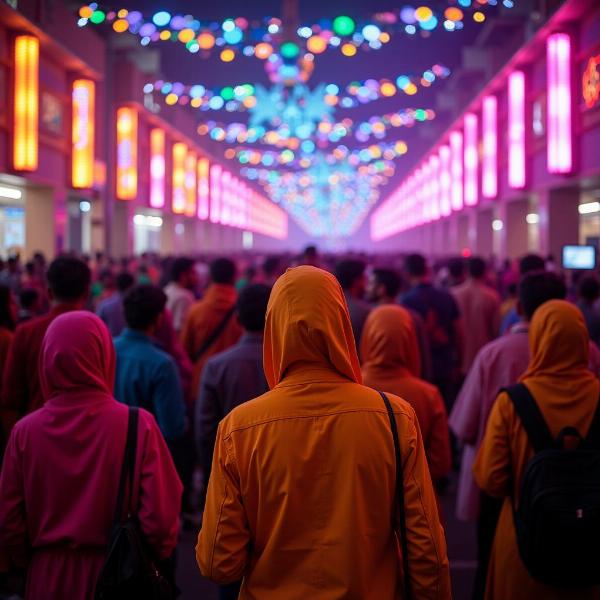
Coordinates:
130 570
557 521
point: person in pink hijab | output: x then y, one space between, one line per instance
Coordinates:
59 479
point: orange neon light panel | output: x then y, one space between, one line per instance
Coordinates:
127 175
26 103
180 151
190 184
82 160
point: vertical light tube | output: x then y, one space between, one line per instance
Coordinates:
203 188
489 184
191 189
225 197
456 169
445 180
471 160
434 166
26 103
82 133
127 153
516 130
560 122
180 152
157 168
216 172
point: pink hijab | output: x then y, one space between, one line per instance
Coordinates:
77 356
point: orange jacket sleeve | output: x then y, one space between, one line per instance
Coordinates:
439 454
223 543
492 467
428 561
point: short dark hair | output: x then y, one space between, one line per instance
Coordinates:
539 287
181 266
310 251
252 306
125 281
28 298
389 279
222 270
477 267
6 319
530 263
348 271
456 267
69 279
589 288
143 305
415 265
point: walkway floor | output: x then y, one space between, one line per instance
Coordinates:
461 549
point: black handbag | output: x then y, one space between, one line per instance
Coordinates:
130 570
399 518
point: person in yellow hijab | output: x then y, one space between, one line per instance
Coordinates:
301 496
567 393
390 353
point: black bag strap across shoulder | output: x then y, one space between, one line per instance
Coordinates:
127 468
531 417
401 515
212 338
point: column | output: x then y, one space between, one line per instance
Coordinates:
40 221
483 233
122 229
462 223
515 228
559 220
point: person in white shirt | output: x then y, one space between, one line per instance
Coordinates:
179 291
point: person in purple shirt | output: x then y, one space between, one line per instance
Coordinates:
230 379
111 310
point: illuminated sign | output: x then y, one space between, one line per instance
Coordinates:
180 151
516 129
591 81
489 167
127 127
157 168
82 158
26 103
203 188
190 184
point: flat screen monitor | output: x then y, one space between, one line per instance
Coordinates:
579 257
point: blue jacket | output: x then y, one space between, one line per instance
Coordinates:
148 377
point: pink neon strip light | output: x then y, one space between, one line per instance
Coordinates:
157 168
434 182
471 160
203 188
445 181
489 184
225 197
559 147
215 193
516 130
456 169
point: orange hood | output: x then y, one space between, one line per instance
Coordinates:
308 327
389 340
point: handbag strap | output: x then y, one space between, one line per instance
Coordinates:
128 466
212 338
401 514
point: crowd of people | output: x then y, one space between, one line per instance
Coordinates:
262 385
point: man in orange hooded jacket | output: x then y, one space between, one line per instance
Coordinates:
302 493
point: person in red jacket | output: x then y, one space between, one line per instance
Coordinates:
69 287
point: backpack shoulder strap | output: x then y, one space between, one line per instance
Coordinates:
399 495
531 417
212 338
593 437
128 466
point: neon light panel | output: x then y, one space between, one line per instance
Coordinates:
215 193
516 130
456 169
180 151
471 159
157 168
203 189
489 184
82 133
445 180
559 149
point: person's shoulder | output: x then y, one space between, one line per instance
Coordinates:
33 325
